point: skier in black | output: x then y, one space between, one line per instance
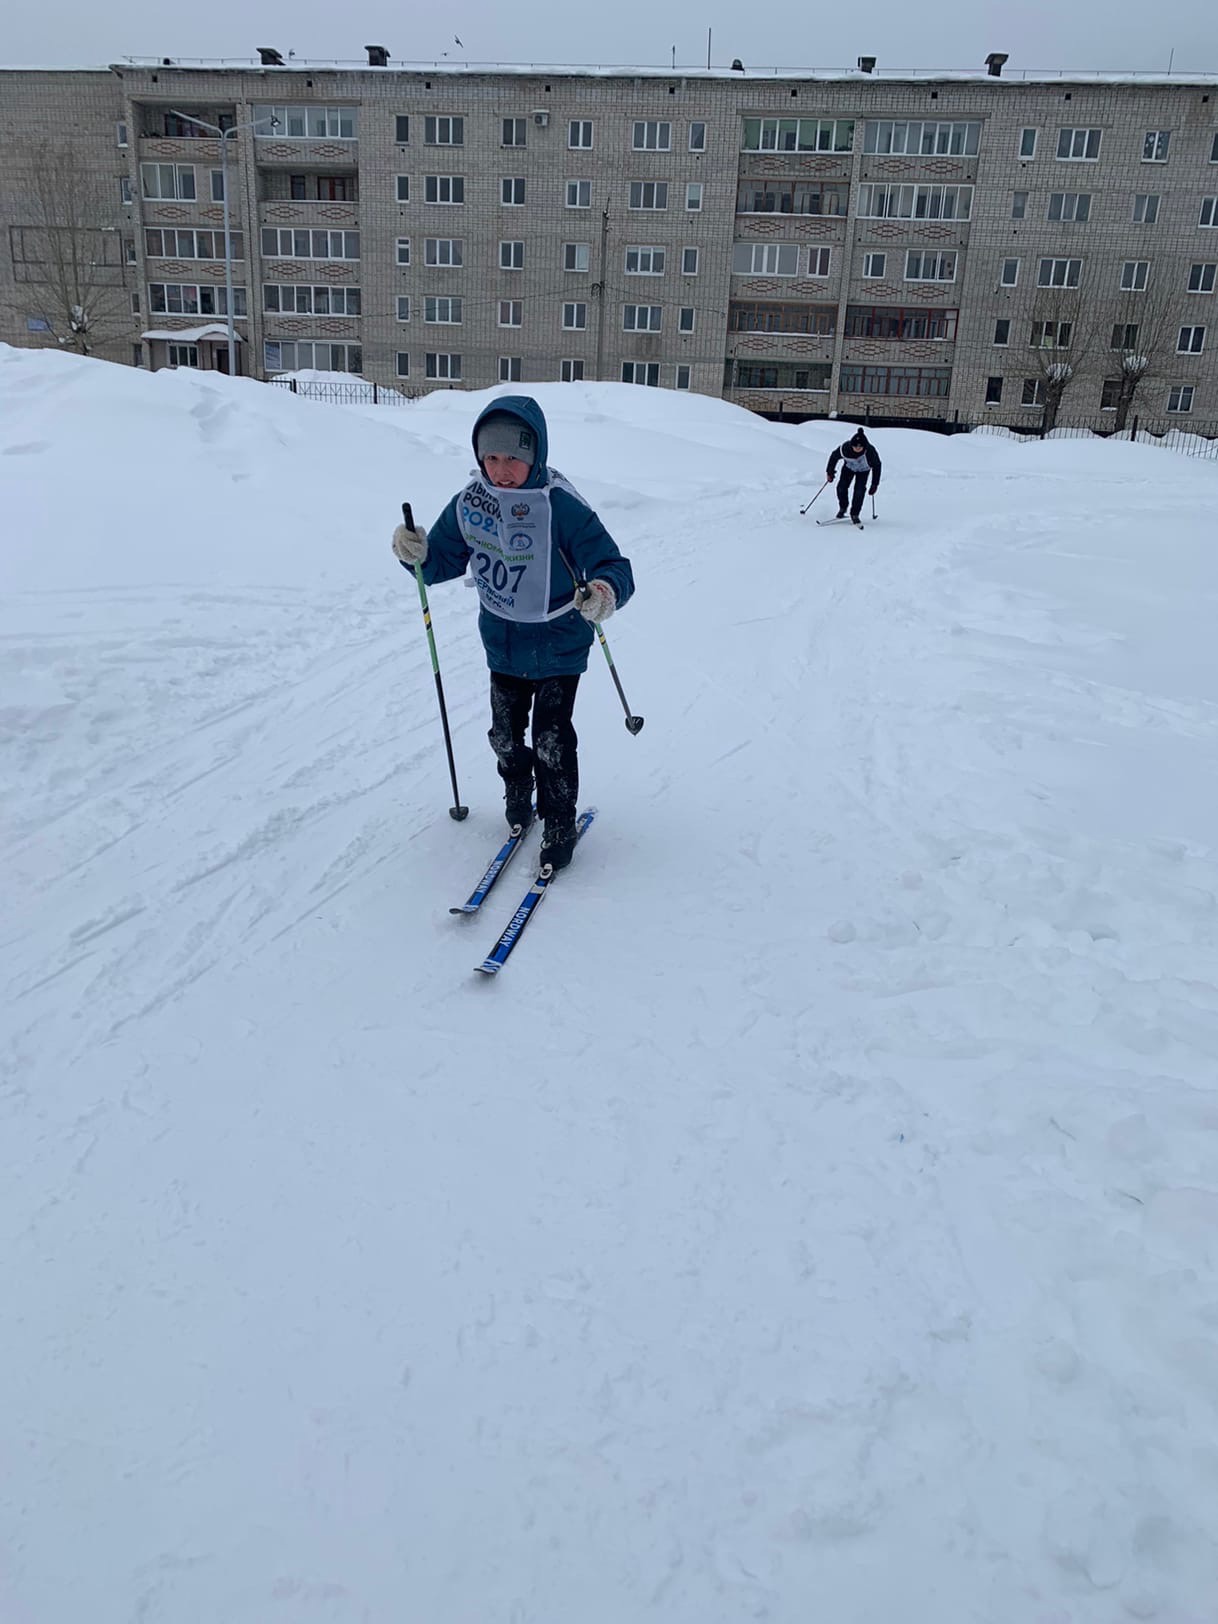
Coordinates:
859 458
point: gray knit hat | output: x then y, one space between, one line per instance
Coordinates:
507 436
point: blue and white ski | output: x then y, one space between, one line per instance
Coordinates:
514 929
498 863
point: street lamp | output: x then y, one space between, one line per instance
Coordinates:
233 129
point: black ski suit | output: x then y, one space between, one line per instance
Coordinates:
856 468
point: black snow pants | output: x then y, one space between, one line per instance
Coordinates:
553 759
860 490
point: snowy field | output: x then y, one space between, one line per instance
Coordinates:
816 1223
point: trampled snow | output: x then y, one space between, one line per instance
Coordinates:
818 1219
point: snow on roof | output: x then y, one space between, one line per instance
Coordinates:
192 335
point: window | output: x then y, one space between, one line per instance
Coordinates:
1078 146
574 317
1154 147
874 266
290 298
689 262
310 123
1019 205
767 316
511 313
1124 336
648 194
403 364
579 194
1180 398
403 307
166 243
291 242
685 320
1002 330
798 135
190 299
1110 394
1033 392
1134 275
641 318
571 370
446 367
765 259
129 251
444 251
1191 341
137 355
323 188
1059 273
120 135
993 391
693 196
793 196
575 256
651 135
697 137
164 182
1201 278
135 304
403 188
511 256
644 372
644 262
579 134
1070 206
1146 208
515 132
1214 150
894 202
183 355
783 375
124 189
1051 335
894 323
403 250
921 138
926 382
288 355
1209 212
217 186
682 379
442 312
509 368
819 260
1027 142
401 127
444 189
443 132
929 265
511 191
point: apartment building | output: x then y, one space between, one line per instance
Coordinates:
972 246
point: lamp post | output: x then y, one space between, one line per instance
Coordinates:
233 129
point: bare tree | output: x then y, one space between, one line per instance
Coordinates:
1140 338
70 254
1062 336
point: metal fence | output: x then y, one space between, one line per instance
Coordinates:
1191 440
355 393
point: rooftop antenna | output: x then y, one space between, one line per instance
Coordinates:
1171 58
708 43
674 57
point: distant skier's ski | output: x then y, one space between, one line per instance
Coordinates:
857 523
498 955
498 863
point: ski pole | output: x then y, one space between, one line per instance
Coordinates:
824 487
456 810
873 504
634 723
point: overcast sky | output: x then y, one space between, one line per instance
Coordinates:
1116 36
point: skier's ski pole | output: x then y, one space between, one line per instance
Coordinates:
824 487
456 810
634 723
873 504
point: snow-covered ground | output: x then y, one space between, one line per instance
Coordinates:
817 1222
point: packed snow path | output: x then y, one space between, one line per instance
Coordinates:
818 1220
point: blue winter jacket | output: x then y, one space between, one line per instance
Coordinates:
557 645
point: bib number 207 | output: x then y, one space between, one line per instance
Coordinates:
499 573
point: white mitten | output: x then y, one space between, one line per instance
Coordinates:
410 545
598 603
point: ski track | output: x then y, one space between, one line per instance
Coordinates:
821 1204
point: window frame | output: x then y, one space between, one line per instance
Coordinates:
581 125
1198 269
519 126
1085 130
435 184
1054 260
431 307
515 247
1072 201
663 135
515 313
455 123
692 145
1133 284
1156 137
1195 330
448 374
1150 203
650 325
567 186
685 253
578 309
511 184
577 270
1032 130
1177 392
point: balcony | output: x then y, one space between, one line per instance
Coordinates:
289 212
303 153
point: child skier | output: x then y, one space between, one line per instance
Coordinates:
531 541
859 458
